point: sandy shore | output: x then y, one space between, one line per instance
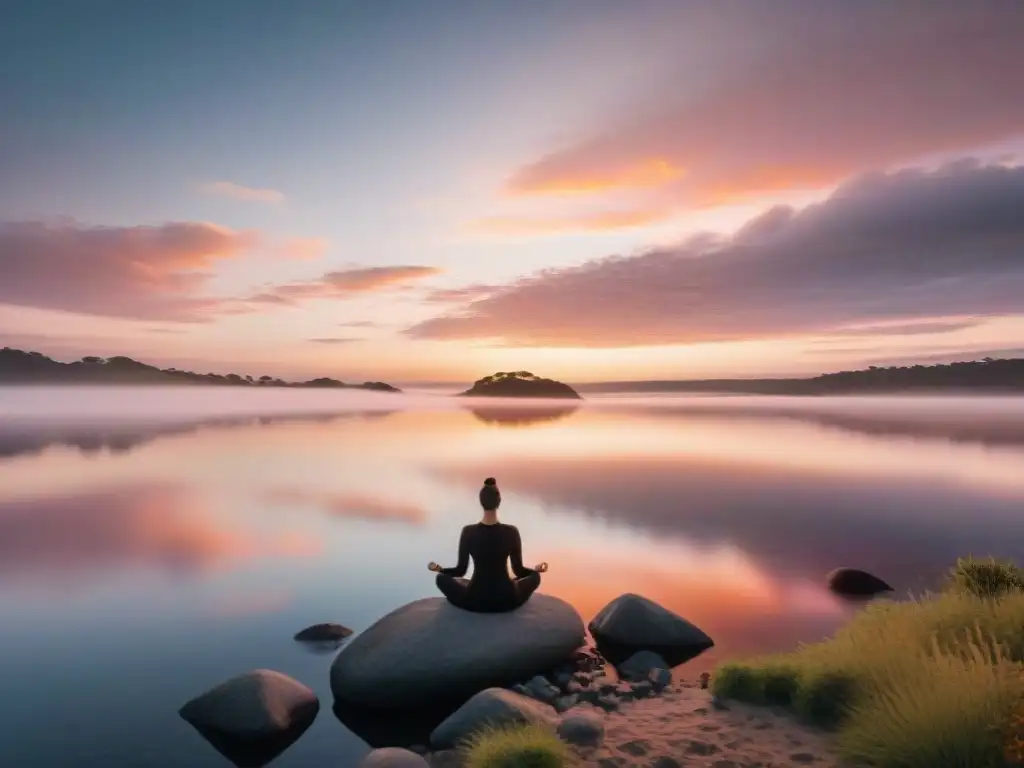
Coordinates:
681 728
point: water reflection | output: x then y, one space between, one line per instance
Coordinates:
522 415
27 438
207 541
66 538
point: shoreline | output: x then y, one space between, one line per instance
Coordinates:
685 727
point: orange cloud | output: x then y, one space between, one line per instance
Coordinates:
861 88
240 192
345 283
601 221
638 174
349 505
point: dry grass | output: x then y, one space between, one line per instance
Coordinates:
921 683
517 746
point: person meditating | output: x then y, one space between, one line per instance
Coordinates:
491 544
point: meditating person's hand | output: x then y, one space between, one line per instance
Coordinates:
542 568
434 567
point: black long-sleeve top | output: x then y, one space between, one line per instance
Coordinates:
492 548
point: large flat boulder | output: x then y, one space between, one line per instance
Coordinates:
430 651
632 623
491 708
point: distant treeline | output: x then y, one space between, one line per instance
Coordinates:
989 374
21 367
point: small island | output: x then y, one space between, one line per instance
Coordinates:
21 367
519 384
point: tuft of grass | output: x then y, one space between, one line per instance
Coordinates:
516 746
929 681
986 578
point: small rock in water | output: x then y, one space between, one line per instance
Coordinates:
608 703
393 757
255 705
705 678
718 703
319 633
582 728
665 761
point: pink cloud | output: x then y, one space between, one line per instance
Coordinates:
813 99
912 246
346 283
149 272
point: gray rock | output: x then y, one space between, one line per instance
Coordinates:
564 703
639 665
562 679
582 728
494 707
853 582
583 678
256 705
393 757
624 691
603 685
573 687
634 622
590 695
642 689
430 650
660 678
608 703
541 689
521 689
319 633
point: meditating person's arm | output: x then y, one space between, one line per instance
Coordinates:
516 556
463 566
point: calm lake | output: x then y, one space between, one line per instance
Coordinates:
154 542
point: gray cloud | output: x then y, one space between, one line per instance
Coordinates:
906 246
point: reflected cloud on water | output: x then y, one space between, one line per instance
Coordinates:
63 539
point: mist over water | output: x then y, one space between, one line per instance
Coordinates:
155 541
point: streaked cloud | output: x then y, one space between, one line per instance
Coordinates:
460 295
346 284
813 99
241 192
910 247
146 272
336 340
598 221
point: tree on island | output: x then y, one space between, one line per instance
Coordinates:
519 384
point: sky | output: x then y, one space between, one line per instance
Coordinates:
587 189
